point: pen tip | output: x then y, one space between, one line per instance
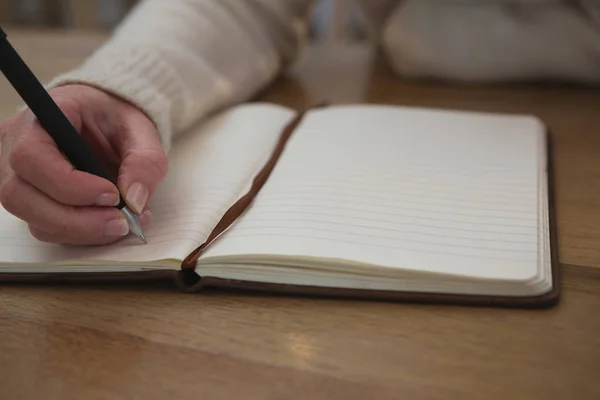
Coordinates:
143 239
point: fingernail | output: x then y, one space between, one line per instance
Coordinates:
116 227
137 196
146 218
107 200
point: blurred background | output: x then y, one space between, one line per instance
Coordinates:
335 20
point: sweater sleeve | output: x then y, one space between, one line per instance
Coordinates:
178 60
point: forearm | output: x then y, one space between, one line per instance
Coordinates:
178 60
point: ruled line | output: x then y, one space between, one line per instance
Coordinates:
257 219
235 236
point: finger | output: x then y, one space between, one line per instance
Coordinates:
85 225
36 160
68 238
144 163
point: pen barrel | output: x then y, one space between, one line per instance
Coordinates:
49 115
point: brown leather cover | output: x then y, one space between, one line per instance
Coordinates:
190 282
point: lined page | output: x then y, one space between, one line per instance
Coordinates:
432 191
209 168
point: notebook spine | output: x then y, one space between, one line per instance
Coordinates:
189 263
188 281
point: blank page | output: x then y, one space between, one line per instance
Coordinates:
209 168
442 192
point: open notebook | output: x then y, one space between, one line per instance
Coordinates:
361 200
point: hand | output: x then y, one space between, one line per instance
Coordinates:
67 206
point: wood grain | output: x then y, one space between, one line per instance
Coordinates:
150 341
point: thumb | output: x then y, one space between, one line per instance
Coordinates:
144 163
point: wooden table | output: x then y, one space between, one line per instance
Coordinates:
152 342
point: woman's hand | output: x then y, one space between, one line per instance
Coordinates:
64 205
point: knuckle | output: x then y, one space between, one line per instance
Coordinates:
154 163
8 193
158 161
65 97
69 104
21 156
9 126
3 132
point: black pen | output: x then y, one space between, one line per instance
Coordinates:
52 119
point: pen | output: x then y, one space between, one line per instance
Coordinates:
52 119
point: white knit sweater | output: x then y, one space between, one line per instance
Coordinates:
180 59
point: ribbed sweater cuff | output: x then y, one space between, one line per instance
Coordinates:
140 78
